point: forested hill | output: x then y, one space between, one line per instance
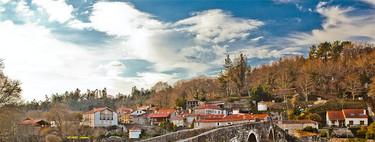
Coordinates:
332 70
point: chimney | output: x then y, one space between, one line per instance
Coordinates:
94 109
364 112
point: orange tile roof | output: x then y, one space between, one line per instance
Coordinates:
208 106
96 110
354 113
135 128
144 107
179 118
335 115
163 113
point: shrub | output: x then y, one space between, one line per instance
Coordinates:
323 133
53 138
310 129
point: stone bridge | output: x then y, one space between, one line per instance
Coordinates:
264 131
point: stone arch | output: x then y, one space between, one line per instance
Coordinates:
252 137
271 135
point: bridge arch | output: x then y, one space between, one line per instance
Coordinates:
271 135
253 137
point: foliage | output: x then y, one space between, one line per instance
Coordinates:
370 134
113 127
169 126
260 93
192 124
53 138
310 129
362 132
323 133
10 90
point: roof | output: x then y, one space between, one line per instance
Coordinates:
144 107
235 117
33 121
163 113
145 115
335 115
354 113
124 109
304 121
179 118
153 108
135 128
97 109
208 106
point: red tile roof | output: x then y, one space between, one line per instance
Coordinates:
163 113
354 113
97 109
179 118
33 121
135 128
335 115
208 106
304 121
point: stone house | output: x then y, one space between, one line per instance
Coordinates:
222 119
208 109
180 122
291 125
143 119
163 115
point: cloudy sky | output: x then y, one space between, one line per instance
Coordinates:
53 46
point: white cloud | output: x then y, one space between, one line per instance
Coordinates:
4 1
77 24
372 2
339 24
45 65
216 26
58 10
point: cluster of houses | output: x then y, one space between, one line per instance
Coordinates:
200 115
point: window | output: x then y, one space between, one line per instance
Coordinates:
350 122
218 124
362 122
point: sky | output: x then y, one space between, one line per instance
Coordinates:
53 46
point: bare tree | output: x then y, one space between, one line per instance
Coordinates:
352 84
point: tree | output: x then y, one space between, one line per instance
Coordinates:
352 84
61 115
10 90
260 93
192 124
371 92
295 101
370 134
304 83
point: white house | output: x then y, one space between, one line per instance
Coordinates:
208 109
347 117
137 113
134 132
100 117
262 106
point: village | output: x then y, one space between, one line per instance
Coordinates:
139 123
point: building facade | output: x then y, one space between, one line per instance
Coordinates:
347 117
100 117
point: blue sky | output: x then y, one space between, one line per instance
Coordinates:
58 45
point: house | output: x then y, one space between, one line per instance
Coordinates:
135 132
262 106
291 125
143 119
347 117
190 105
144 108
124 110
100 117
137 113
190 118
34 126
208 109
125 118
335 118
180 121
222 119
163 115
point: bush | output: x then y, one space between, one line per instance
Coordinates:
323 133
330 130
310 129
53 138
362 132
